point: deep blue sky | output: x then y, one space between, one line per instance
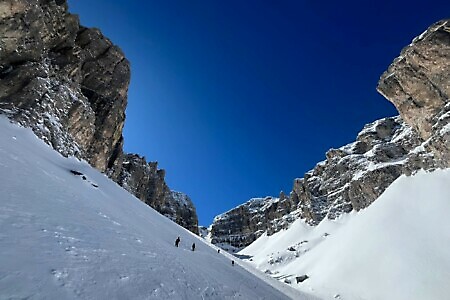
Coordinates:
235 99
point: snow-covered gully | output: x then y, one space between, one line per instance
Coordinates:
78 235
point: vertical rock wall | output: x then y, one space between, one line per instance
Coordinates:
418 84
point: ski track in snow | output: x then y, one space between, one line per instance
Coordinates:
63 238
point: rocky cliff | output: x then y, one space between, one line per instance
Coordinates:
66 82
350 178
353 176
242 225
69 84
418 84
146 182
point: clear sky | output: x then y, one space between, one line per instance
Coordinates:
235 99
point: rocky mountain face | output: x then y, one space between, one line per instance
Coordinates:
355 175
350 178
146 182
418 84
242 225
69 84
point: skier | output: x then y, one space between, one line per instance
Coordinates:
218 250
193 246
177 241
232 262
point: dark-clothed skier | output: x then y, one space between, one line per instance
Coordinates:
193 246
177 241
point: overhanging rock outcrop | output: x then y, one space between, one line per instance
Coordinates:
418 84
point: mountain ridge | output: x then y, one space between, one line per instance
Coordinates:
353 176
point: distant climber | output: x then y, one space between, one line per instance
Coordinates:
177 241
193 246
232 262
218 250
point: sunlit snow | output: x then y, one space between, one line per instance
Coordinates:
78 235
397 248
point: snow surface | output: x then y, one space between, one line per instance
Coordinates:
397 248
65 236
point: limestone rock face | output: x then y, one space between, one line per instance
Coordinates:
351 178
355 175
69 84
418 84
242 225
182 211
66 82
146 182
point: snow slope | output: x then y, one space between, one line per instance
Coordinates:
68 236
397 248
